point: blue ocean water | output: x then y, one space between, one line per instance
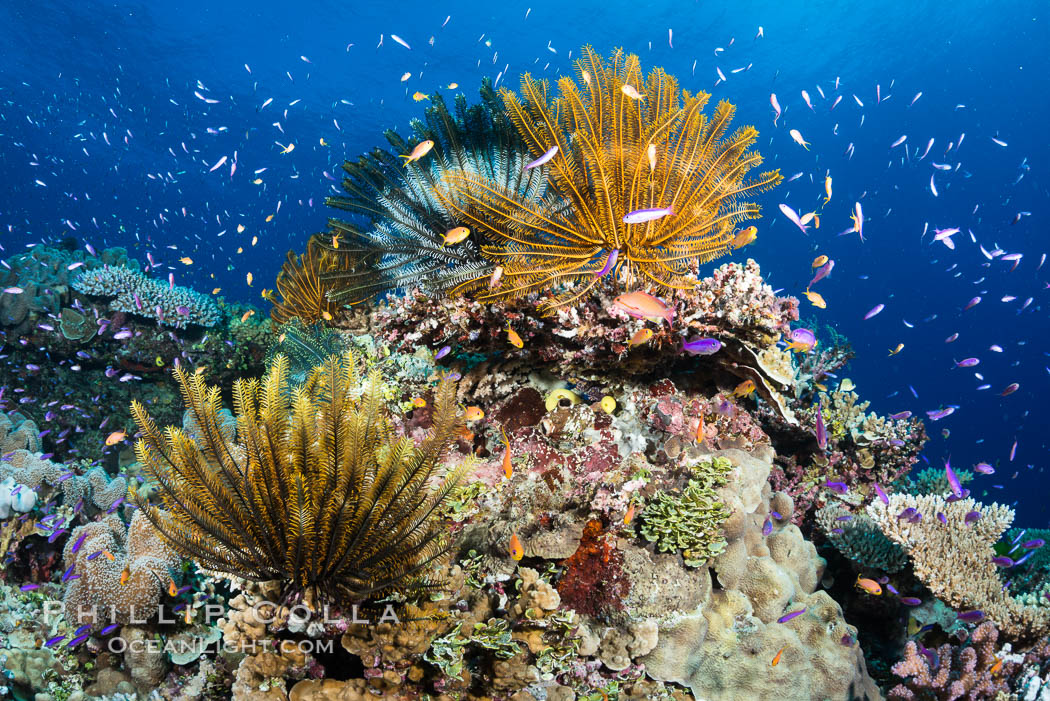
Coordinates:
112 115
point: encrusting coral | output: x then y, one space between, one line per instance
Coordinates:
953 557
135 293
315 489
620 142
122 571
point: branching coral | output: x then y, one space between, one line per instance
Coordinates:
410 206
134 293
972 672
317 490
303 286
857 537
954 557
620 142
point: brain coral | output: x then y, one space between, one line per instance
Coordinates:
98 596
134 293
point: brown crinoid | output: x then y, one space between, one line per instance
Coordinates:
623 143
309 484
303 287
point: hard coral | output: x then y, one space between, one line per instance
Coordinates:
690 521
122 571
974 671
954 558
134 293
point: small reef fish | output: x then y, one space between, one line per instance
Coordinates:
515 549
801 341
514 338
631 92
788 616
642 305
821 430
629 516
473 413
792 215
858 220
702 346
508 467
640 336
827 189
819 261
797 136
874 311
898 349
776 657
869 585
610 261
421 149
550 153
822 272
816 299
744 389
420 96
953 479
116 437
640 216
456 235
745 236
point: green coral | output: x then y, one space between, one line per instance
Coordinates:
930 481
446 652
691 520
859 538
495 636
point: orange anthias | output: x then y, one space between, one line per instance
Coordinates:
516 551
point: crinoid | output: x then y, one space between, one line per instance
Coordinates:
623 143
312 487
409 211
303 286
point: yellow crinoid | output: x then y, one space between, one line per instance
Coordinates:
623 143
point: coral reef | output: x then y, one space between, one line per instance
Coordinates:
601 144
134 293
315 491
978 670
122 571
953 556
858 537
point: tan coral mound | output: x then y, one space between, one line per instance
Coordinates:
99 594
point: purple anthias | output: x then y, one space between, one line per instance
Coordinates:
702 346
788 616
953 479
821 431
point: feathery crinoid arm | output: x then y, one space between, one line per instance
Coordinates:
625 142
328 498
